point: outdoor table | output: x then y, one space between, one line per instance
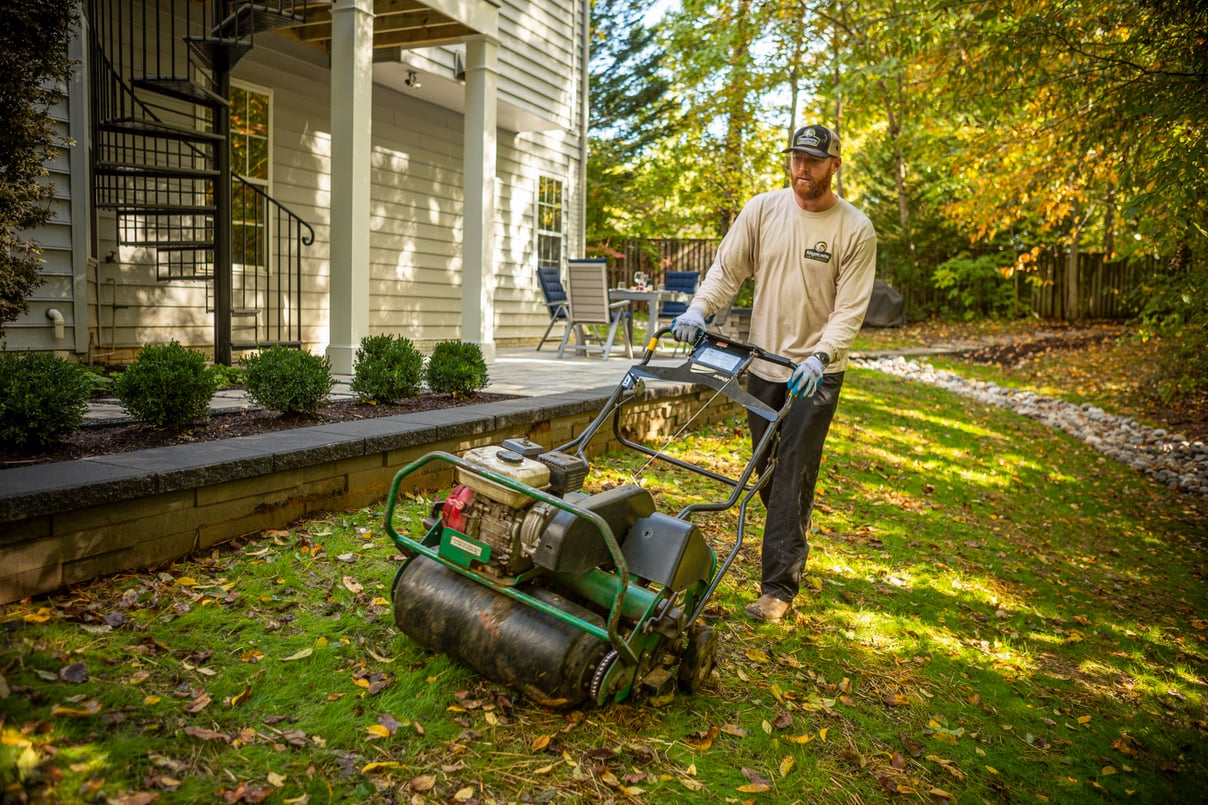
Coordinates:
653 298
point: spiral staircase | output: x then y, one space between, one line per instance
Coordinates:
161 161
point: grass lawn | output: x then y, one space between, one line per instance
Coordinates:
992 613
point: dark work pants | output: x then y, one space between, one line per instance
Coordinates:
789 498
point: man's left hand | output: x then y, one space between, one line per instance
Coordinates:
807 377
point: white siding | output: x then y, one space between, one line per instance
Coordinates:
416 200
33 330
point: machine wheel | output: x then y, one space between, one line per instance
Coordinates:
597 679
699 658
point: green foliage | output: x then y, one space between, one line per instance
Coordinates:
290 381
976 286
227 376
457 368
167 386
33 63
631 111
387 368
1174 306
42 399
98 377
965 127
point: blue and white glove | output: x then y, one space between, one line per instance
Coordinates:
687 324
807 377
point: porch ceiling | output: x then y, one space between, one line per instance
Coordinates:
406 23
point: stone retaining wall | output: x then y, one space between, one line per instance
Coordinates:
70 522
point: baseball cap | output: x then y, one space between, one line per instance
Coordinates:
817 141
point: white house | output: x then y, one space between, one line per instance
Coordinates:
370 166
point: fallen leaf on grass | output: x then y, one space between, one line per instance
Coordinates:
913 747
247 793
137 798
76 673
199 703
380 765
204 734
40 615
352 585
85 710
702 740
948 766
377 656
757 655
424 782
754 788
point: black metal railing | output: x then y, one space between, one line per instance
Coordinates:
159 77
266 286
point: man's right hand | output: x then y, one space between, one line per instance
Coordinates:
685 326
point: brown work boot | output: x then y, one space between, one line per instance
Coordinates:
768 608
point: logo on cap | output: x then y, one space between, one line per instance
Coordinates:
817 140
808 137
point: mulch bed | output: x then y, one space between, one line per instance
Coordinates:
102 439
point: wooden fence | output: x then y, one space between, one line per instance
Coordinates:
655 256
1104 287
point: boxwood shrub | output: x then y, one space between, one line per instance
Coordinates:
457 368
167 386
43 399
387 368
290 381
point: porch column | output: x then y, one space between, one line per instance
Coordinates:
351 151
478 241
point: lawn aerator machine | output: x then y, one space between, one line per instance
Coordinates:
568 596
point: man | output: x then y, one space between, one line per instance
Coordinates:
813 256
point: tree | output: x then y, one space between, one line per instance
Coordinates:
725 70
631 111
33 60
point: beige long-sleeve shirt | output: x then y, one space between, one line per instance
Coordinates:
813 273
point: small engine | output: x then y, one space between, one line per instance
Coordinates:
509 522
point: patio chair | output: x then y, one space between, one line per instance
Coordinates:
555 299
681 282
591 310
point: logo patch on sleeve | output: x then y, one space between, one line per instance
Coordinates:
819 252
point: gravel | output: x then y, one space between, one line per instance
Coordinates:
1169 458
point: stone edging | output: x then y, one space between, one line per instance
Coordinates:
71 521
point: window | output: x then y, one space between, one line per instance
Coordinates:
549 223
250 160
